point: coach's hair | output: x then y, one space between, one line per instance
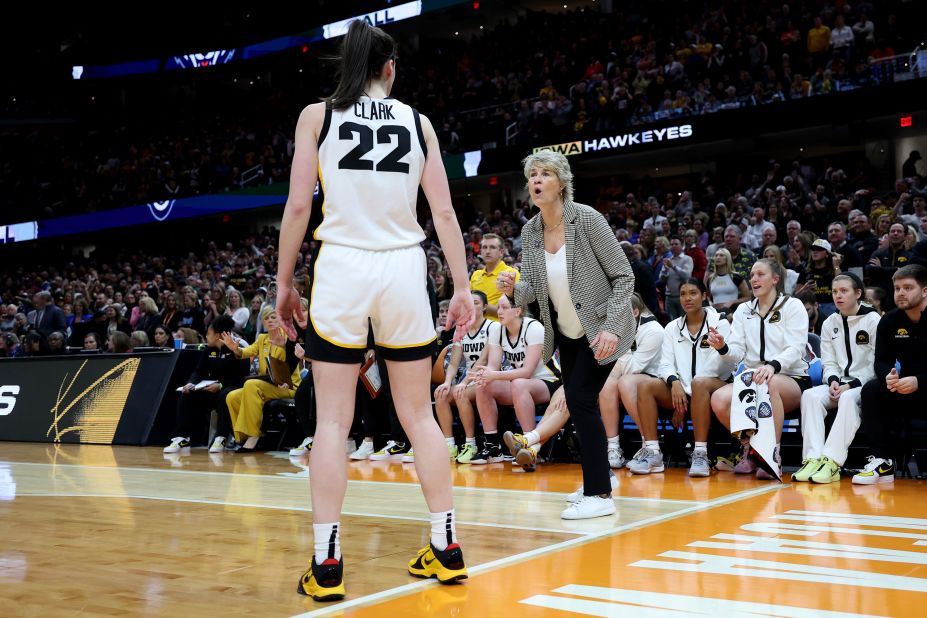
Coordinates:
364 51
554 162
912 271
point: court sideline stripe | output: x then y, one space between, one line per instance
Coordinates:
520 492
495 564
302 509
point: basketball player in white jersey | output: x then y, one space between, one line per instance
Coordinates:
370 153
460 359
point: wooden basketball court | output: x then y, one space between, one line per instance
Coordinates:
101 531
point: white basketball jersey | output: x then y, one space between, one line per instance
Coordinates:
371 158
515 352
473 346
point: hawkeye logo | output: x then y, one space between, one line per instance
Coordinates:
620 141
8 395
902 333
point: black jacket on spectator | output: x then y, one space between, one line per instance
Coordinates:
882 275
851 257
901 339
52 319
193 318
645 285
865 244
220 364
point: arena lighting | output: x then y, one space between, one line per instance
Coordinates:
18 232
376 18
906 121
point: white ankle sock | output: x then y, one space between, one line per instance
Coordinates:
653 445
701 446
613 442
327 541
471 441
533 438
443 529
450 441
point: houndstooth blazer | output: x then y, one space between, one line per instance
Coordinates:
600 278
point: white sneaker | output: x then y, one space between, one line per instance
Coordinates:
409 457
218 445
700 465
177 445
304 447
646 461
364 451
577 495
589 507
616 458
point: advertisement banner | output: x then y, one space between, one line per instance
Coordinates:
99 399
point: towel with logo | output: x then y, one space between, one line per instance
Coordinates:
752 420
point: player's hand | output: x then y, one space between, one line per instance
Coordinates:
300 352
680 401
288 306
836 389
558 401
460 313
763 374
442 391
715 339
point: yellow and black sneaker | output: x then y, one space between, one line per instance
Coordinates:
323 582
448 565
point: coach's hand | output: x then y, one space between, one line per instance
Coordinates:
605 344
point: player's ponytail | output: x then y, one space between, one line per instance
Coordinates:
364 50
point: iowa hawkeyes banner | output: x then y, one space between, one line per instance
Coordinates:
106 399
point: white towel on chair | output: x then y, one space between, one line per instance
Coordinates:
752 418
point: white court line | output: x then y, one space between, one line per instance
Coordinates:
495 564
303 509
520 492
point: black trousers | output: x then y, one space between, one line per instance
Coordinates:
883 411
583 378
193 415
192 420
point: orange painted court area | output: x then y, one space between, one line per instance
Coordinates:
230 534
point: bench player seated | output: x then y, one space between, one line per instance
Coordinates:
514 375
460 359
689 372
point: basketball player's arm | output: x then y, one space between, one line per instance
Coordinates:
434 183
304 175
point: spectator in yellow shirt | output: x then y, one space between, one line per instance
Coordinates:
818 42
484 279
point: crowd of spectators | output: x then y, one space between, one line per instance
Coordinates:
815 218
545 75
